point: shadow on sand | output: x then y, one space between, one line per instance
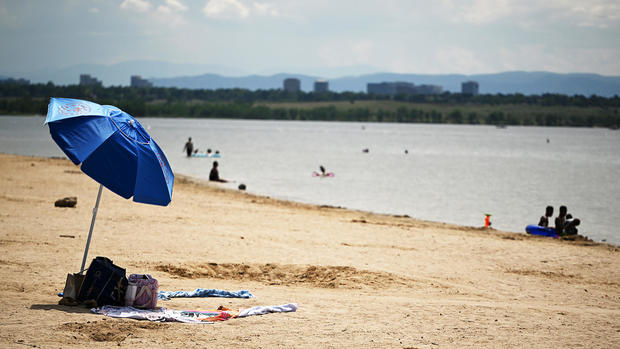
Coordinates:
78 309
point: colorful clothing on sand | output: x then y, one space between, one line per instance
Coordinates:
203 292
190 316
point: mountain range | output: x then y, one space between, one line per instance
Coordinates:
201 76
527 83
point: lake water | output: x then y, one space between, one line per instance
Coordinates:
451 173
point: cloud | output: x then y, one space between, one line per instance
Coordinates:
136 5
266 9
169 13
226 9
594 13
599 15
174 5
482 11
94 10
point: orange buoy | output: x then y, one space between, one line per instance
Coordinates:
487 220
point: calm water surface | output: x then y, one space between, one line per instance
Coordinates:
451 173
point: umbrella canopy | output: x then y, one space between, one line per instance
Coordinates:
113 148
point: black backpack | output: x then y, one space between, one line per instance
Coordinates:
105 283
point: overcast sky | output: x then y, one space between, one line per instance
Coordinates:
405 36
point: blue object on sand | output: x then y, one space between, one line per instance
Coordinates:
202 292
538 230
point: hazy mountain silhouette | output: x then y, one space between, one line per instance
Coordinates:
251 82
507 83
120 73
199 76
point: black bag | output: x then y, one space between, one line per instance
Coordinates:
105 283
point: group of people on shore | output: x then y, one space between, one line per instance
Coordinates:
564 223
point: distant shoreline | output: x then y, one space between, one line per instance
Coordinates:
322 120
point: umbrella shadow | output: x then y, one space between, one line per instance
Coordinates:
79 309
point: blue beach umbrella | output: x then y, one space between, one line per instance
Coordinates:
113 149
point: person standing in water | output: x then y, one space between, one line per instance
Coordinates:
189 147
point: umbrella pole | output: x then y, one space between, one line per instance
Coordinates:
92 225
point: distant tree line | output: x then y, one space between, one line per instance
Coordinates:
455 108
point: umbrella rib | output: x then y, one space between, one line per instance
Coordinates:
126 136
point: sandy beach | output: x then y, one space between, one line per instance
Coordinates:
361 280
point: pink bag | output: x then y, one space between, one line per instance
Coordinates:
146 289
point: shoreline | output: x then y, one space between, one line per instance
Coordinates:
577 240
184 179
187 179
361 279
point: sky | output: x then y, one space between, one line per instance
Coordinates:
316 36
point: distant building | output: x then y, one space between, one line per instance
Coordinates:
138 81
87 80
399 87
379 88
469 88
292 85
428 89
321 86
389 88
15 81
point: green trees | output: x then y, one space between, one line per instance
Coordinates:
515 109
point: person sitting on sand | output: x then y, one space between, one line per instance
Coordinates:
570 228
214 175
544 220
560 220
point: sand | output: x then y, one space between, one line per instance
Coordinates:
361 280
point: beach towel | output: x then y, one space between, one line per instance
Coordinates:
190 316
200 292
203 292
262 310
